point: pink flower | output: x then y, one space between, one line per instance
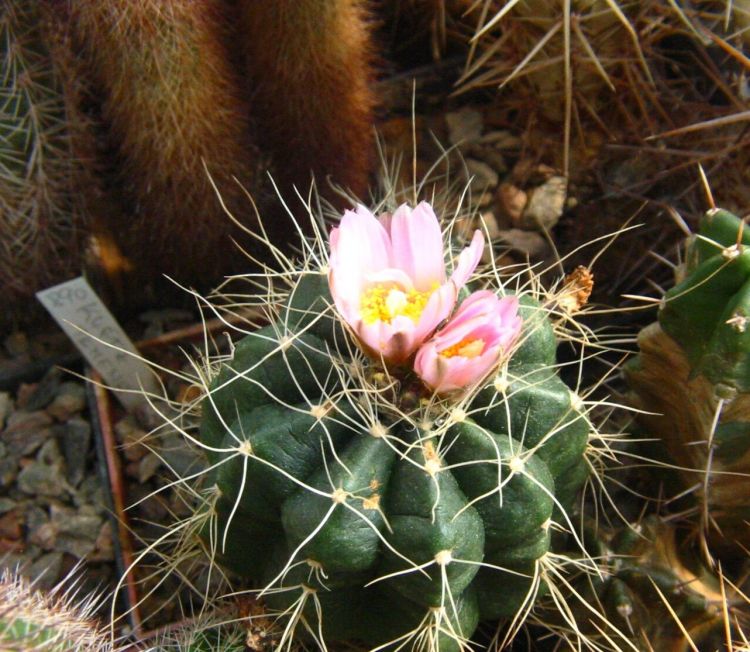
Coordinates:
388 281
471 344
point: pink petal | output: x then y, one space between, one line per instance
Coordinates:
394 341
482 316
468 260
359 246
438 307
390 276
417 245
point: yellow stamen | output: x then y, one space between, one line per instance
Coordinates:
468 348
384 302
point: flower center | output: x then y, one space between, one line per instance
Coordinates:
383 302
467 348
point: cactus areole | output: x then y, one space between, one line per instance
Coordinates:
363 501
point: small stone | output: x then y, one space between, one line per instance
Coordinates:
44 536
485 199
75 435
546 204
24 392
482 175
26 431
464 125
40 479
11 525
178 456
35 516
501 140
512 201
104 549
6 504
46 571
490 155
148 466
6 406
8 467
530 243
77 534
91 492
489 224
70 400
17 344
10 557
131 439
50 453
44 392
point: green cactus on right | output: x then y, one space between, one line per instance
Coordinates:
657 593
692 378
360 507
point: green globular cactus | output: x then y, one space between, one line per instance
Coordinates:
692 377
363 507
54 622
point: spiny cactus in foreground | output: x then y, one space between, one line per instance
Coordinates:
381 475
54 622
692 377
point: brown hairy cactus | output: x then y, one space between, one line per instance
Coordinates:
174 114
43 152
309 67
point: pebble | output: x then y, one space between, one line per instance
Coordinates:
44 477
39 479
464 126
512 201
147 467
17 344
489 224
178 455
52 503
6 504
44 536
11 525
529 243
546 204
44 391
75 436
26 432
91 492
104 547
489 155
8 467
69 401
502 140
482 175
77 534
6 405
45 571
131 439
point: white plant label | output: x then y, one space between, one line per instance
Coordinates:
86 320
